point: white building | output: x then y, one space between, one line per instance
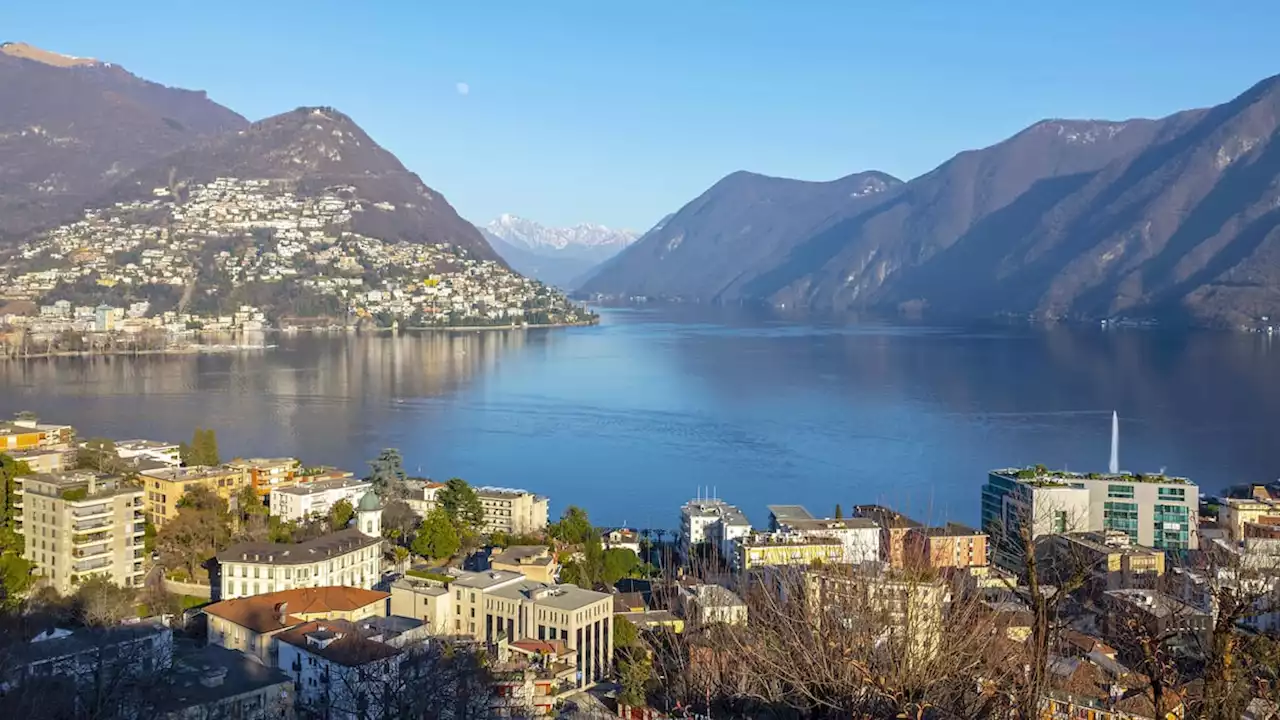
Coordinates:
302 502
167 453
713 522
347 557
860 536
337 672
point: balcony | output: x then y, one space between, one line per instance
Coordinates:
82 566
79 540
87 526
85 513
101 551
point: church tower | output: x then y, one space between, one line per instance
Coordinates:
369 515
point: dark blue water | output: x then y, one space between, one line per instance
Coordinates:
630 418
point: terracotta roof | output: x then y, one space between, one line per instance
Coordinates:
548 647
337 641
261 613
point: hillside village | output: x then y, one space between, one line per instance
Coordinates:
244 254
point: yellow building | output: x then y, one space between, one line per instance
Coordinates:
267 474
1235 513
535 562
166 486
1116 563
30 434
250 624
781 549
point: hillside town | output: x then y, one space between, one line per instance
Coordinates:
162 580
248 254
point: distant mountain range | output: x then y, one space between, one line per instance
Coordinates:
1176 219
557 256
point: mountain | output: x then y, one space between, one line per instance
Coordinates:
558 256
741 227
1172 219
314 150
72 127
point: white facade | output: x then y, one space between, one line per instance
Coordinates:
166 453
343 691
347 558
713 522
302 502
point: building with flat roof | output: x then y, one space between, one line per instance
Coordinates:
512 511
535 562
1158 511
493 605
25 434
213 682
948 546
711 522
302 501
154 450
1235 513
267 474
165 487
46 460
76 525
860 536
250 624
1111 560
347 557
761 550
894 527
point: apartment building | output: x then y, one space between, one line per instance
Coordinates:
81 524
512 511
164 453
493 605
910 612
340 673
894 527
165 487
860 536
347 557
267 474
314 499
1157 511
711 522
251 624
950 546
1112 561
46 460
535 562
761 550
704 605
422 495
1235 513
31 434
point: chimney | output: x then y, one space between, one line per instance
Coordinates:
213 677
282 612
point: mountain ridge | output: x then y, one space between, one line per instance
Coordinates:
556 255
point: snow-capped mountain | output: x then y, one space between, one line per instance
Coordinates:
557 256
535 236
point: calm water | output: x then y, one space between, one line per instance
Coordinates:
628 419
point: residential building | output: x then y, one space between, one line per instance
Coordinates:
511 511
250 624
80 524
713 523
212 682
267 474
1112 561
759 550
894 527
422 495
535 562
488 606
60 671
530 677
339 673
1160 613
621 539
303 501
1235 513
907 610
950 546
46 460
165 487
704 605
860 536
1095 688
347 557
31 434
1157 511
161 452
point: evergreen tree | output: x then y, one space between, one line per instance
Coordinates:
574 527
436 539
340 514
387 474
839 512
461 504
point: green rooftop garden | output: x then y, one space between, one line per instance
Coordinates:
1041 476
430 575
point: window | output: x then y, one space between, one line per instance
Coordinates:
1175 494
1124 492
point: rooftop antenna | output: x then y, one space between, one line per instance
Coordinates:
1114 467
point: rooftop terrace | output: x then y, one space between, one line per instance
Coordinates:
1040 476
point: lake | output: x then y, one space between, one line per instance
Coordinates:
631 418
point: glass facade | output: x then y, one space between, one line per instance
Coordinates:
1172 528
1121 516
1123 492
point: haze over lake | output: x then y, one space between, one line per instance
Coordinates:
629 418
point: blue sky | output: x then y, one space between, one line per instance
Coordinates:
620 112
